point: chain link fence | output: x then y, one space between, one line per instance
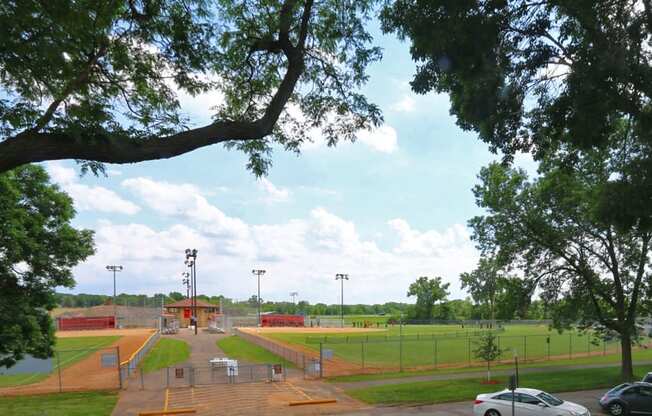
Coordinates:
358 355
68 370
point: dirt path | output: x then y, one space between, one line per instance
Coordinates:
88 373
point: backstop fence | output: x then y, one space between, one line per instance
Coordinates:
68 370
296 357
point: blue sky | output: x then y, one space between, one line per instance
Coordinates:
387 209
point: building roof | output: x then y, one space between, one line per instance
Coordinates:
187 303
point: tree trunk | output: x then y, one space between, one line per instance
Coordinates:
627 371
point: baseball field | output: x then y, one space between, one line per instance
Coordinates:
418 347
77 363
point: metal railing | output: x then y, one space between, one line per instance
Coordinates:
129 366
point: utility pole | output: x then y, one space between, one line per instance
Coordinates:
191 261
258 273
114 268
342 277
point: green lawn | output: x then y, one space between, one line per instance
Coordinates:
167 352
431 392
430 346
64 404
68 351
239 349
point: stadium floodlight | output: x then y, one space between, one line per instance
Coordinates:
114 268
342 277
294 297
258 273
191 262
186 281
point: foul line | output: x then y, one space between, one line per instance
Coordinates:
299 391
90 350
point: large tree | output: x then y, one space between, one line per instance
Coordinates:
38 248
592 273
428 292
98 80
483 284
527 75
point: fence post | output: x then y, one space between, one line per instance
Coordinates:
117 352
570 345
524 348
468 349
400 352
59 371
167 376
321 360
362 355
142 379
588 345
604 346
549 341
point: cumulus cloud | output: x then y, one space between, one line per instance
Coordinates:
89 198
383 139
272 192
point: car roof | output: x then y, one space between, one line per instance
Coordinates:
524 390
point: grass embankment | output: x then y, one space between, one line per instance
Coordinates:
239 349
431 392
167 352
68 350
62 404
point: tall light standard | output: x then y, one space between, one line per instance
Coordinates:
294 297
186 281
191 261
114 268
258 273
342 277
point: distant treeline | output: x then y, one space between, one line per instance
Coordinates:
463 309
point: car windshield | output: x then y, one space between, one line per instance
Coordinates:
550 399
619 388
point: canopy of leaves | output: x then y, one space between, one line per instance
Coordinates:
528 75
428 292
38 248
102 78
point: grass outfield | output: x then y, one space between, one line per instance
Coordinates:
447 345
62 404
431 392
70 351
239 349
167 352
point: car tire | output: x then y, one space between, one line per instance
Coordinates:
617 409
492 412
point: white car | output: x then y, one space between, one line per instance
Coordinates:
527 402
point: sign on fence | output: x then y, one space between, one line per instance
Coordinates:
327 354
109 360
178 372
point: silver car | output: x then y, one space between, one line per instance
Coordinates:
527 402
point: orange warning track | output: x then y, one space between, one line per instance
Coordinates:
88 373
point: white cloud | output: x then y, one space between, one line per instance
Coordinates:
406 105
89 198
382 139
272 192
302 254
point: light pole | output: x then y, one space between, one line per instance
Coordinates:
294 297
258 273
186 281
342 277
114 268
191 261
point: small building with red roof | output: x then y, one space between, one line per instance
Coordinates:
182 309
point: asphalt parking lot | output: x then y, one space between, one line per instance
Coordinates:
587 398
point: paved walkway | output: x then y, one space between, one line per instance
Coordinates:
473 374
